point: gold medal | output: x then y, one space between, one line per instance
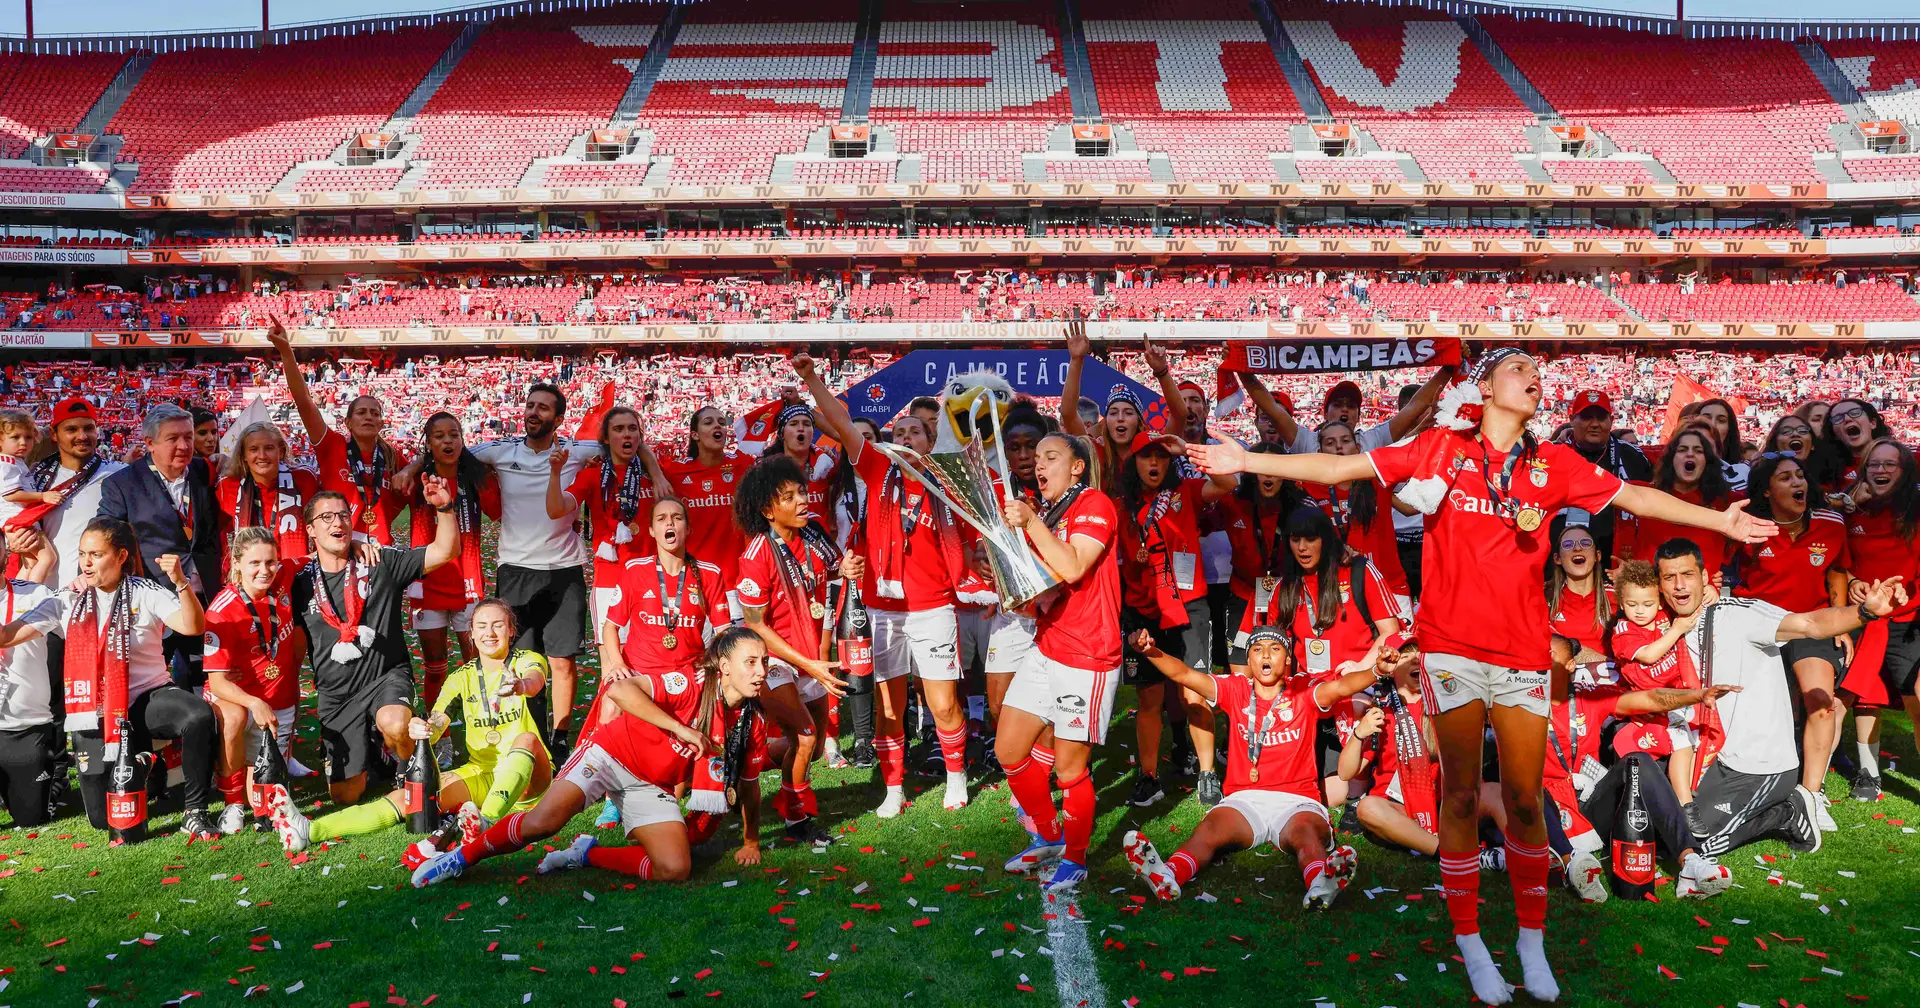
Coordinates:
1268 584
1529 518
819 611
370 519
270 672
1140 555
1253 774
493 736
669 641
733 796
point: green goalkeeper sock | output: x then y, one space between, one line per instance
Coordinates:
371 817
510 777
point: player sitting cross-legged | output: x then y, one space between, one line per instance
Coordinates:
1273 770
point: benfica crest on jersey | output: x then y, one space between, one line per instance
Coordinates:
1817 555
1537 472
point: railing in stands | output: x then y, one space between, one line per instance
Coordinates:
1786 29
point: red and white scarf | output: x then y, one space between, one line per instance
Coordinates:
250 510
353 635
888 554
97 664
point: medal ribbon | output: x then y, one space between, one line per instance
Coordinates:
1058 509
47 468
1256 740
1501 497
183 506
367 474
672 613
348 628
269 637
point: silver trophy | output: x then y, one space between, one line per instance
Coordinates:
964 481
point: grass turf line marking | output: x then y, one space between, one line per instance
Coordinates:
1074 974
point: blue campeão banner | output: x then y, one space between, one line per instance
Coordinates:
886 393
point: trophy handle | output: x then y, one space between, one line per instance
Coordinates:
900 454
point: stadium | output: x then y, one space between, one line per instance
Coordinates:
657 206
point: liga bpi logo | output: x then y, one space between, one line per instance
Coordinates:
876 393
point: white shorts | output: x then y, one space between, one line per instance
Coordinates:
1009 642
1680 730
1451 681
604 599
1268 812
925 643
780 673
282 716
458 620
1079 702
976 632
597 774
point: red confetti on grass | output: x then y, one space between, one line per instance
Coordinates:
1023 987
847 926
323 945
703 974
923 922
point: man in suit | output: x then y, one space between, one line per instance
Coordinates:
168 499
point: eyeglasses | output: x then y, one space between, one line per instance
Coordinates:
1883 464
1843 417
330 518
1576 544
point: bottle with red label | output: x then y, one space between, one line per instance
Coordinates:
853 641
127 792
269 770
423 790
1633 841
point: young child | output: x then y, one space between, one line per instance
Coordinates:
1648 647
18 435
1272 787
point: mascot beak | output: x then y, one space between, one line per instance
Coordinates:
961 410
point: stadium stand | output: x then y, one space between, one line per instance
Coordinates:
364 179
949 61
843 170
52 180
1593 170
1190 59
744 57
1859 302
49 94
239 119
1887 75
1883 169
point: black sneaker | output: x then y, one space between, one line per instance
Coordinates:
1146 790
1803 829
199 824
1206 788
808 832
1866 786
863 757
1183 759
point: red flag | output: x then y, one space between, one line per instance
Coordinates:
1686 392
589 429
754 430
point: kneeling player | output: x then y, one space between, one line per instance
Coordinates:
672 726
507 765
1272 785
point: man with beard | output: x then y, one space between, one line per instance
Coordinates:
542 571
1590 421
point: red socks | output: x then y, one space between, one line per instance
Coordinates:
625 860
1527 868
796 802
1043 756
233 787
1029 784
892 753
1460 882
500 838
953 748
1184 867
435 674
1312 870
1077 802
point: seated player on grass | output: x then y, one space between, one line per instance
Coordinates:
1272 792
672 727
507 765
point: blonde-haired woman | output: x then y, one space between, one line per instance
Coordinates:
253 668
260 488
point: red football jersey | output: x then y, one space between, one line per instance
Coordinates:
285 514
444 588
233 646
1377 540
337 474
650 754
1258 534
762 584
1792 573
1878 551
1574 730
602 515
707 492
1289 760
1152 585
1638 537
641 609
925 582
1080 626
1576 617
1348 639
1481 576
1673 671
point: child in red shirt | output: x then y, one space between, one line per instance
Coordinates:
1649 647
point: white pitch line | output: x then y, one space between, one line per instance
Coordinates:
1075 975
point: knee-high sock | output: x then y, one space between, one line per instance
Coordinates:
435 674
953 748
370 817
1184 866
892 752
833 717
510 777
1460 881
796 802
500 838
625 860
1076 799
1527 868
1313 870
233 787
1028 782
1044 757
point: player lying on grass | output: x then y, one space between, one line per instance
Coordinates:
507 765
672 727
1273 770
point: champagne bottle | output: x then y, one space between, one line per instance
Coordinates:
127 792
853 639
1633 841
423 789
269 771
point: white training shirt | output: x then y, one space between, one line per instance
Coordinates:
64 524
528 538
152 603
1746 652
1307 441
26 697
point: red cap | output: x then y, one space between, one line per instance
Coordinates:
67 409
1588 399
1285 400
1195 386
1345 386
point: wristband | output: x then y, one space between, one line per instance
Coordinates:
1866 615
444 510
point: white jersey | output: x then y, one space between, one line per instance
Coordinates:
64 524
26 694
151 602
528 538
1746 652
1307 441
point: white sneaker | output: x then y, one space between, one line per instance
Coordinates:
1493 859
1321 894
233 818
956 791
1586 877
294 828
895 803
1146 863
573 855
1341 862
295 768
472 823
1823 813
1702 877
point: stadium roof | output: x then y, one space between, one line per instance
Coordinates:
140 17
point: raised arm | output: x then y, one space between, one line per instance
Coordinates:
1173 668
310 416
1660 700
1734 522
1880 600
1410 416
831 411
1228 458
560 503
1163 375
446 529
1077 347
1263 400
189 620
656 476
